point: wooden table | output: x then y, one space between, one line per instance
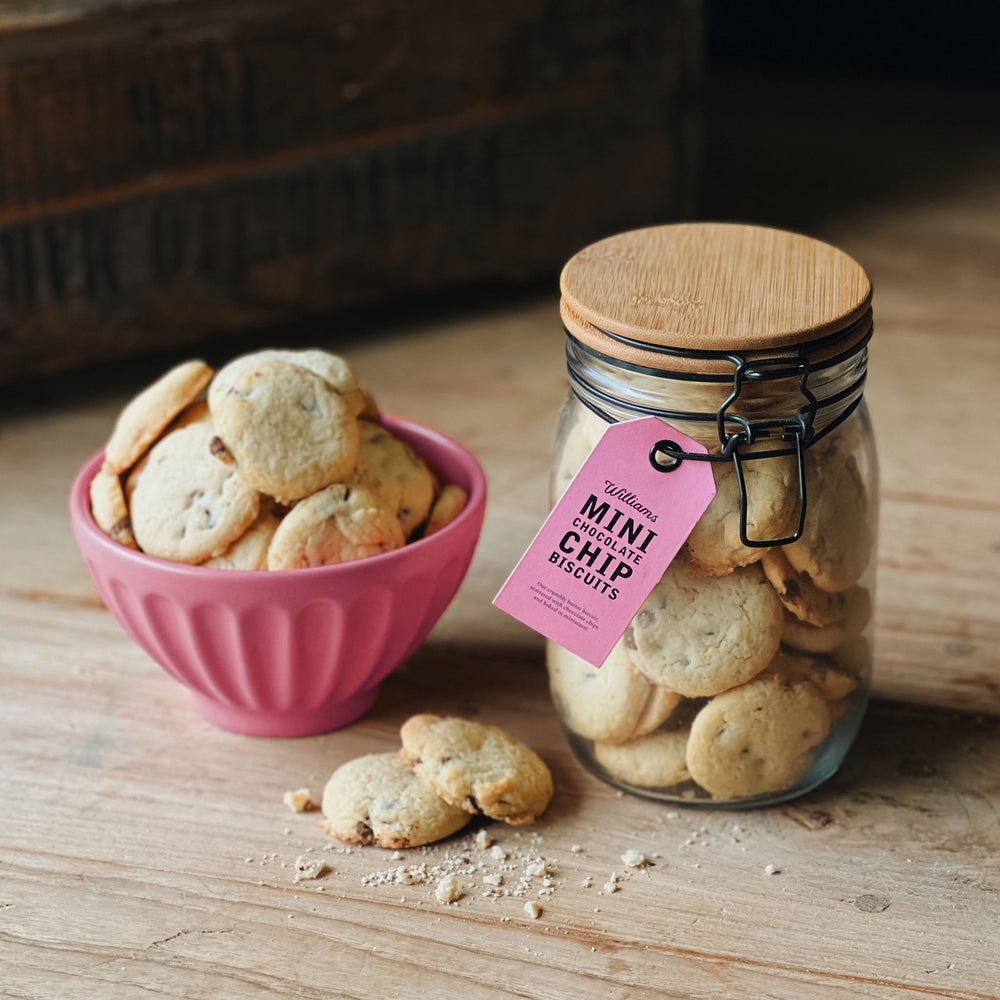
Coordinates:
145 853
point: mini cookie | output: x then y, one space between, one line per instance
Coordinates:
448 505
395 471
836 540
249 551
288 431
714 545
702 635
581 437
335 525
612 703
799 594
333 369
477 767
659 707
856 607
838 709
853 655
377 799
654 761
107 504
833 682
757 739
848 437
186 505
195 413
142 420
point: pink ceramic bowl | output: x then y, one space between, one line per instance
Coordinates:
290 652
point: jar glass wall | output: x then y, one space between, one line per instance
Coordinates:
743 678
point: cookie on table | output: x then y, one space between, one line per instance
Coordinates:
336 525
109 508
757 739
332 368
701 635
612 703
289 432
450 502
378 799
836 539
186 505
714 545
249 551
856 608
657 760
143 419
477 767
396 472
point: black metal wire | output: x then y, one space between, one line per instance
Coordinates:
704 355
796 428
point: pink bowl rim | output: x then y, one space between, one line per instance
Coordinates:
83 521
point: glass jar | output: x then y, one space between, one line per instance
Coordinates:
743 678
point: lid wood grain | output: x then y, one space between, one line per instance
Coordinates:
710 287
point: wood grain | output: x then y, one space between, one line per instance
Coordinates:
177 169
712 286
126 821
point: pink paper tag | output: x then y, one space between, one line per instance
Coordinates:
609 539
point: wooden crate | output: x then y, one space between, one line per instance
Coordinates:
169 170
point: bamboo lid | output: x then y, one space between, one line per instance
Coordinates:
713 287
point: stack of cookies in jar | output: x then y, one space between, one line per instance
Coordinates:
745 665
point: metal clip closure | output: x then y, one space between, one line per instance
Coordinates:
795 429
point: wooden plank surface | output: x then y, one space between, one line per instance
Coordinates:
127 822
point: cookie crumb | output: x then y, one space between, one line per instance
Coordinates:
482 839
448 890
612 884
634 858
587 882
532 909
309 868
499 853
299 800
496 879
536 868
772 870
576 848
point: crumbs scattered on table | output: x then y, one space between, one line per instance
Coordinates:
299 800
634 858
448 890
309 868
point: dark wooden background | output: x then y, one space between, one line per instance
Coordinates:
169 170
